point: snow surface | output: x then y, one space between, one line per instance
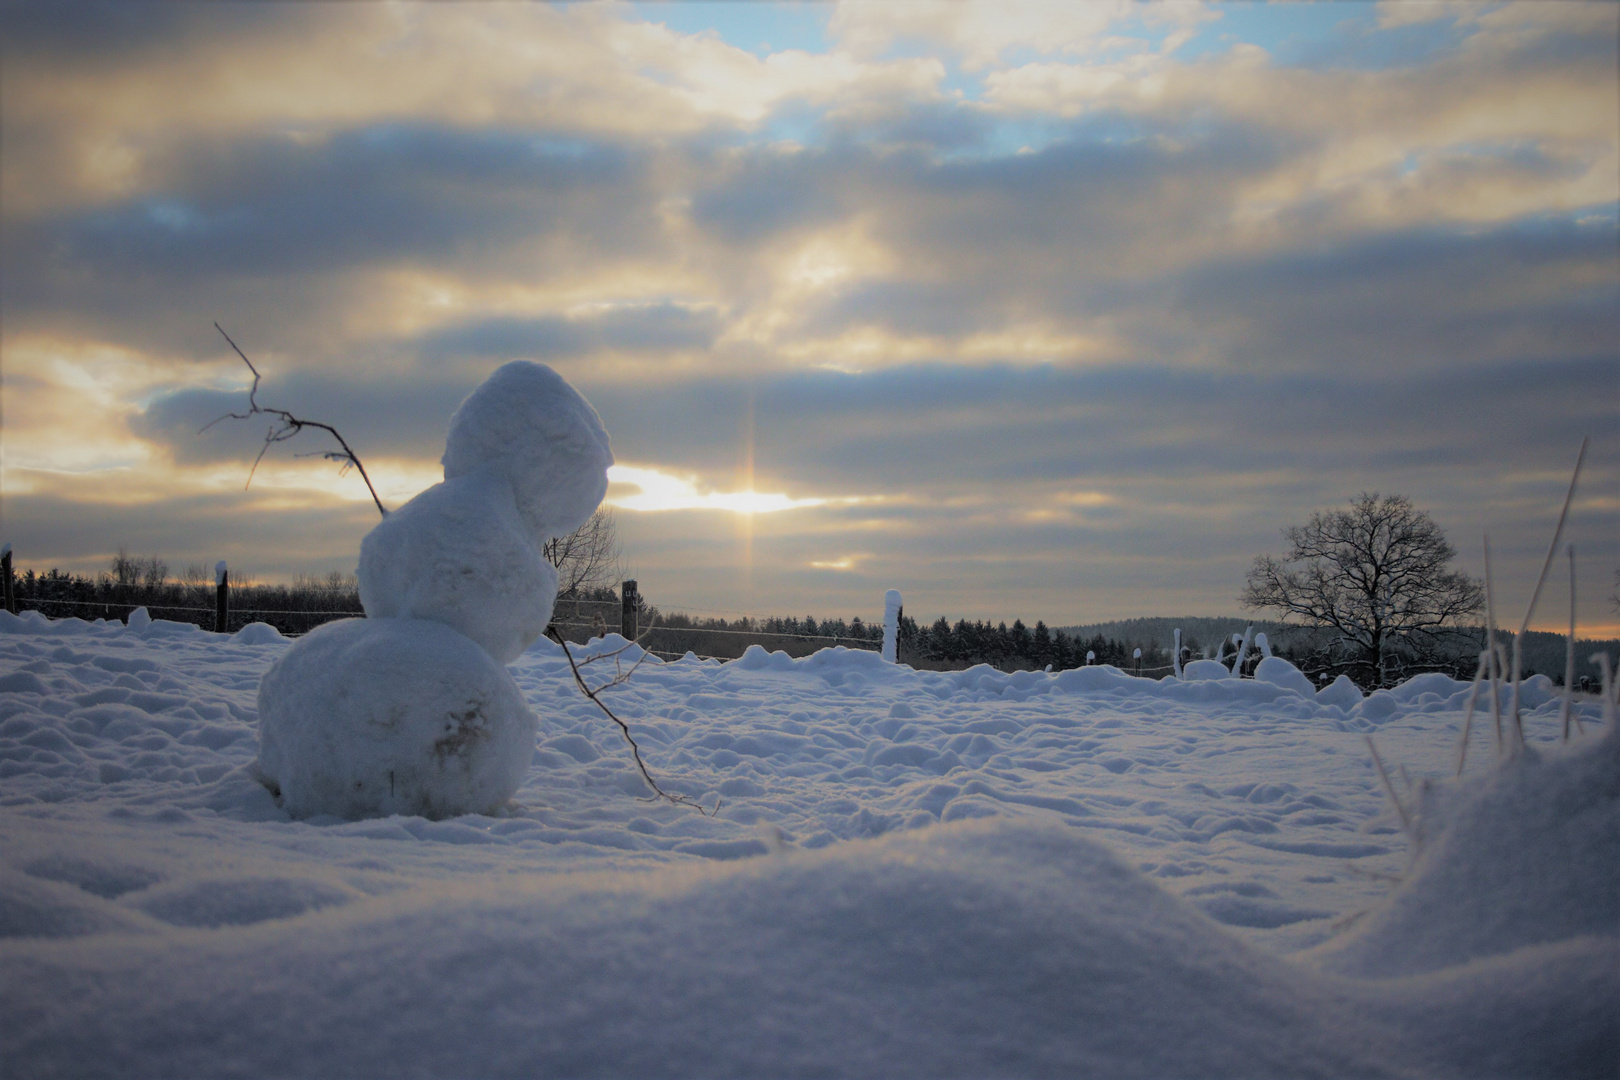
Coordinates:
966 873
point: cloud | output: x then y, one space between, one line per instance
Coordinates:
661 326
1063 300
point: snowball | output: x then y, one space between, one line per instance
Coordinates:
527 424
371 717
459 554
1205 669
1341 692
1279 672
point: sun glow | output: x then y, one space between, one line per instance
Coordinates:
660 491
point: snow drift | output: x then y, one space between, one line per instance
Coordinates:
915 873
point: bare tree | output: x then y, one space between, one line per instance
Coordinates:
587 559
127 569
1376 575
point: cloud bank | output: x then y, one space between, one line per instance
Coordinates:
1045 311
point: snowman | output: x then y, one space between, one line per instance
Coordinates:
411 710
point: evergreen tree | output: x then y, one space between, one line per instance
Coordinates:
1040 645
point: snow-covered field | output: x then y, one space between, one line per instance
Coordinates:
911 873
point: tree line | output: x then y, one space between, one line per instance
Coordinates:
130 582
968 643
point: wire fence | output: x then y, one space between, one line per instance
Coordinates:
292 622
673 642
576 620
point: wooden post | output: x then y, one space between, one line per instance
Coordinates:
894 610
627 614
222 594
5 570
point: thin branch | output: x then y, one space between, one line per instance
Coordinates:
1490 632
619 674
1389 788
679 800
1468 719
1567 711
289 426
1552 549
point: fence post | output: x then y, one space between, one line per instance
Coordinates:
5 569
892 609
222 593
627 614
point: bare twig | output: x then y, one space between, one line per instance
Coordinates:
619 674
1468 719
1552 549
1400 807
1490 623
1567 710
288 426
579 678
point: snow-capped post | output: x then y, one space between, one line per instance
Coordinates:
5 570
1243 649
1137 656
627 613
1176 660
1090 656
1262 643
222 596
891 625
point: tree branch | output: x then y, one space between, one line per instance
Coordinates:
579 678
287 427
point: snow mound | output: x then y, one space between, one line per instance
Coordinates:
32 908
371 717
1279 672
1340 693
1528 855
528 425
1536 691
460 554
987 948
1205 669
258 633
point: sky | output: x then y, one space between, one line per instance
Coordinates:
1052 311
